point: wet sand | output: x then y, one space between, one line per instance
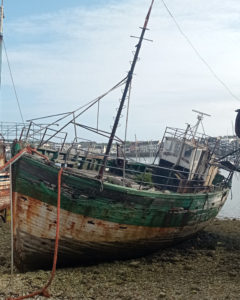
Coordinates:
204 267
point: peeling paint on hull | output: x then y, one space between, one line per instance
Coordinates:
98 223
82 238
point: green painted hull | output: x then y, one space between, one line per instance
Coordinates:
110 215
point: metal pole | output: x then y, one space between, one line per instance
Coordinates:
75 128
125 138
128 82
11 202
98 109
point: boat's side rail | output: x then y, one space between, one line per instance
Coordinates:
145 176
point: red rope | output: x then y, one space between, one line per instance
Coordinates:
14 158
43 291
31 150
28 149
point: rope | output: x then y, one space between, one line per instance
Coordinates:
126 128
32 150
9 164
199 55
15 158
44 292
88 104
28 149
14 87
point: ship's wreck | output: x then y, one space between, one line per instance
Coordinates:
112 207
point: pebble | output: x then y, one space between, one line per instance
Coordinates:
135 263
232 273
162 295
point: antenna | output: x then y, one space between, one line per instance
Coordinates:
199 120
201 113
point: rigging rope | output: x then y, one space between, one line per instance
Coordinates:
88 104
14 87
43 292
199 55
126 128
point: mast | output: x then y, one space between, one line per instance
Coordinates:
128 82
2 146
1 38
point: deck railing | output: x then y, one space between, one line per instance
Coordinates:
146 176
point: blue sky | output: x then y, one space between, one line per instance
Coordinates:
25 8
65 53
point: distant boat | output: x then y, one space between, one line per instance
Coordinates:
4 176
111 208
4 184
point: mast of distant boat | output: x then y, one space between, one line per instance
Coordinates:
128 82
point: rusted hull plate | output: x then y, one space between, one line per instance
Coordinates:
81 238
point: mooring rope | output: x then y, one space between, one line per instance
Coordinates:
5 166
16 157
44 292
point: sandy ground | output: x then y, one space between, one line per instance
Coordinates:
204 267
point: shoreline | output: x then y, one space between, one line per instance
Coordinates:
206 266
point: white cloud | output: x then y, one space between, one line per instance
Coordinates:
62 60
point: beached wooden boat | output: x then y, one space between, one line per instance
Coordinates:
98 220
103 215
4 190
4 184
9 130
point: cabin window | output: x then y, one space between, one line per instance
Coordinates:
168 145
177 147
188 151
198 154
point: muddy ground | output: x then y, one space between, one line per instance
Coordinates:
204 267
